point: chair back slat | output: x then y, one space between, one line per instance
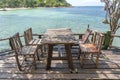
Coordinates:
101 38
86 35
94 37
28 36
16 43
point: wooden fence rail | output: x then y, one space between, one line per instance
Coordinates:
76 34
39 35
20 36
113 35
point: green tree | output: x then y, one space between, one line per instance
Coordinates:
33 3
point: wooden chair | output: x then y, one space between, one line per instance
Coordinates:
30 41
93 48
24 52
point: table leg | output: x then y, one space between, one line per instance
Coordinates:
49 56
69 56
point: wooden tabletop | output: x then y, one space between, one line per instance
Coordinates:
58 36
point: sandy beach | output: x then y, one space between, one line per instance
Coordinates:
10 9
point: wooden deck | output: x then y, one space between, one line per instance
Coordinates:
109 68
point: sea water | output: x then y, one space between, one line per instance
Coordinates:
40 19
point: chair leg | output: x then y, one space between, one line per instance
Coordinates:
82 58
34 62
41 50
19 67
18 63
79 54
97 59
44 48
91 56
37 53
25 58
38 56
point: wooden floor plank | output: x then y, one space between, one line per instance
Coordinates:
62 70
65 65
60 76
108 68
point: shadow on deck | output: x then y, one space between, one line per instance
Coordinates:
109 68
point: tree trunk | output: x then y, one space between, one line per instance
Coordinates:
113 28
112 38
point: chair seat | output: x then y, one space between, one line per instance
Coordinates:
35 42
91 48
28 50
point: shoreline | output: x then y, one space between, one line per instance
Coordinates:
11 9
23 8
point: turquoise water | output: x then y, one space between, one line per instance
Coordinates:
40 19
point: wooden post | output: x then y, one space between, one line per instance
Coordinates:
49 56
69 56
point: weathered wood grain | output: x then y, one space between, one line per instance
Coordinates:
108 68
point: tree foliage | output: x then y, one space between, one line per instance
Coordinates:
112 8
33 3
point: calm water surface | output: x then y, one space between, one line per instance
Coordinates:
40 19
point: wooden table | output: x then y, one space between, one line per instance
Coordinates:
59 36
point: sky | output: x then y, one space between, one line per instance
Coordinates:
85 2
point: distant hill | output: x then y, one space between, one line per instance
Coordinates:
33 3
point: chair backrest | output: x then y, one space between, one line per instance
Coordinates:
98 40
28 36
16 43
86 35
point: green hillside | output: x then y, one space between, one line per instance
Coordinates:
33 3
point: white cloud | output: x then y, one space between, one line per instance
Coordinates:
85 2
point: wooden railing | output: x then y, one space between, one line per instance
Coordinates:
113 35
39 35
76 34
20 36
